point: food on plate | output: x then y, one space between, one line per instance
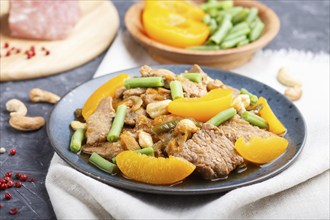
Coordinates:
161 127
44 20
175 23
214 25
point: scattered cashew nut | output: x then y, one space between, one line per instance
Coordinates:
39 95
77 124
293 93
24 123
285 78
16 107
241 102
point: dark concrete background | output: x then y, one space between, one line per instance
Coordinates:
304 26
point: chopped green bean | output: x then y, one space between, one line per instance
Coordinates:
103 164
77 139
232 42
256 31
243 43
213 25
222 117
207 19
223 30
204 47
253 13
239 26
254 22
217 5
232 11
176 89
155 81
238 33
117 124
254 119
194 77
158 129
253 98
241 16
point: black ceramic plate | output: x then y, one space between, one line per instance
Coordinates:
59 134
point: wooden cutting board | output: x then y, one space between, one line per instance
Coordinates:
93 34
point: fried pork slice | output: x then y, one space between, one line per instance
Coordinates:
107 150
210 150
147 71
237 127
99 123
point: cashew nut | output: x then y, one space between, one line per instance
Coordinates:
16 107
39 95
24 123
135 102
293 93
145 139
77 124
284 77
241 102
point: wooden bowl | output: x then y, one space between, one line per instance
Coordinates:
224 59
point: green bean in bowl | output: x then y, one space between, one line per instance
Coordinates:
230 26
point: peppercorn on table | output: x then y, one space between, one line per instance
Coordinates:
33 150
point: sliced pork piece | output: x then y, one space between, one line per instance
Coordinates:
143 123
166 74
192 89
105 149
210 150
237 127
155 95
45 20
133 92
99 123
132 116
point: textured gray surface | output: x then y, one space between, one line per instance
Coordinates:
305 26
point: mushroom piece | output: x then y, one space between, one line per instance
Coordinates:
16 107
24 123
39 95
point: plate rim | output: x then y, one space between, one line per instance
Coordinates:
167 190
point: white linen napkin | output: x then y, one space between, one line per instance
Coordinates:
300 192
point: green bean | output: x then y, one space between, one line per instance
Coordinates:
213 12
253 98
103 164
256 31
254 22
194 77
176 89
253 13
155 81
213 25
207 19
149 151
241 16
239 26
232 42
243 43
117 124
77 139
254 119
217 5
204 47
238 33
232 11
158 129
222 117
222 31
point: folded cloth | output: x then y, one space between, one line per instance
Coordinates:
299 192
